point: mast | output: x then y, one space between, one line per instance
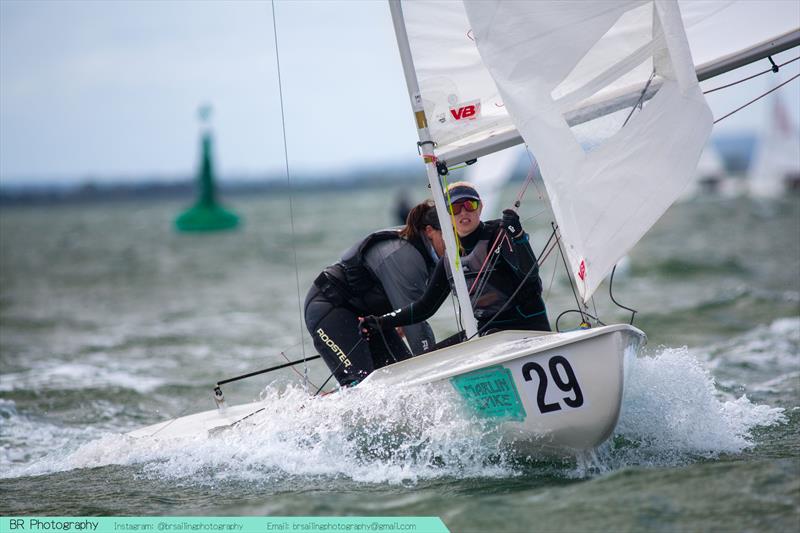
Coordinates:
427 146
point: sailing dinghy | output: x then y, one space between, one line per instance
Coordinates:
606 96
775 170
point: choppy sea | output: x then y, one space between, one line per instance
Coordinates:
110 320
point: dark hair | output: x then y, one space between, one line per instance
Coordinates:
421 215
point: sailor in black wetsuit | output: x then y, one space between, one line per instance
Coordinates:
491 283
386 270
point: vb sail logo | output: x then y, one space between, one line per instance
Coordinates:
466 111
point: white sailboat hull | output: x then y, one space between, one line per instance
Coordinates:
547 391
511 376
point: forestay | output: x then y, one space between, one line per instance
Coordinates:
548 62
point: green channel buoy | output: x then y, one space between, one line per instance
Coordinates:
206 214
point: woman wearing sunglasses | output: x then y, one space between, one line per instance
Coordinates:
499 266
385 270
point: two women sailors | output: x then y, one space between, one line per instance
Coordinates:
505 291
386 270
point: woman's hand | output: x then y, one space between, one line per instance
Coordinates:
368 326
511 223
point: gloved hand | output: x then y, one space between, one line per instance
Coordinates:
368 326
511 223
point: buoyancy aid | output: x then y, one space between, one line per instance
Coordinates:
496 284
355 281
358 276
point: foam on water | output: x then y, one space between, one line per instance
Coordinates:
99 371
369 435
25 441
772 349
672 413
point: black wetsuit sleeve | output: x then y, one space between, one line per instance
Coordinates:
424 308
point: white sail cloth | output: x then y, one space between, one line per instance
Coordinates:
463 105
545 64
604 200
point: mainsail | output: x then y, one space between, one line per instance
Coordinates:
554 72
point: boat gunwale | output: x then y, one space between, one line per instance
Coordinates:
567 338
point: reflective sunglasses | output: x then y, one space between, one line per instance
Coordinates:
469 205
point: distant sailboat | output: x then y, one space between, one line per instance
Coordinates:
710 176
775 169
484 76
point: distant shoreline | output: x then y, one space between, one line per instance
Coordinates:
736 151
185 189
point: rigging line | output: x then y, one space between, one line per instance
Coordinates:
528 181
545 251
346 357
386 344
750 77
171 421
611 295
552 279
539 261
484 280
289 185
510 299
533 268
546 254
298 372
528 219
758 98
639 102
534 162
495 257
492 250
594 307
577 311
564 259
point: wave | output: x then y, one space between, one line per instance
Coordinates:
691 267
79 375
726 314
767 354
673 413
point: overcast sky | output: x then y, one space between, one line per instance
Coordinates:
110 90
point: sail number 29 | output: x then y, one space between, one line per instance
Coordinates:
570 384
